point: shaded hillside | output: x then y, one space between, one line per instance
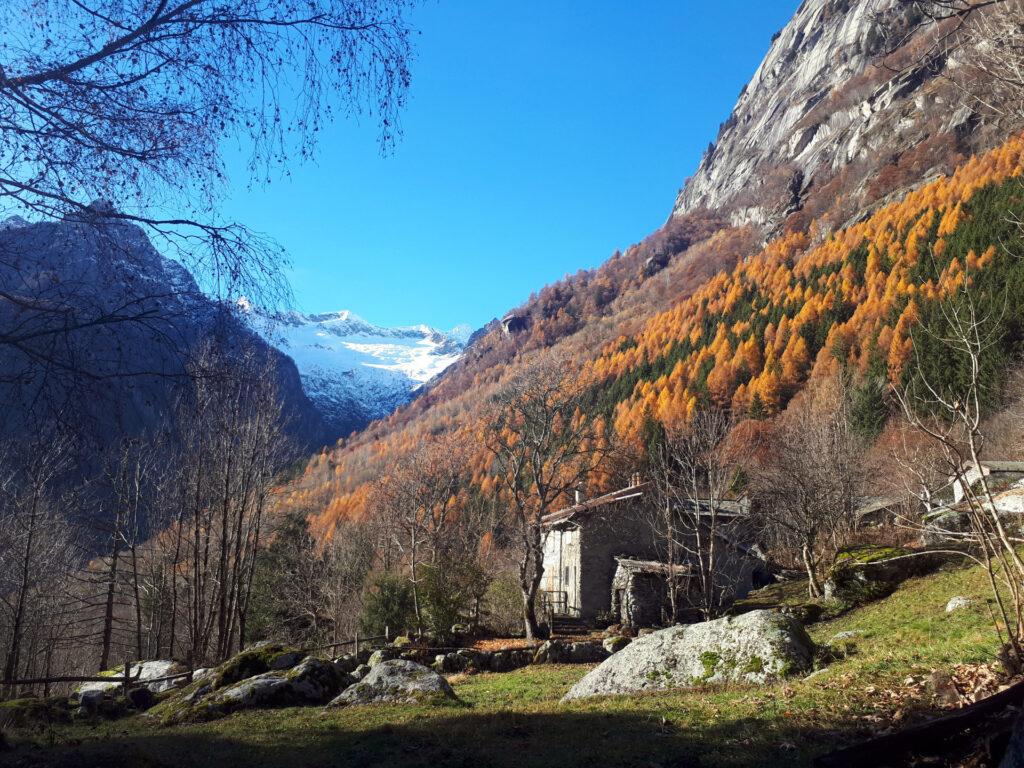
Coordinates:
99 330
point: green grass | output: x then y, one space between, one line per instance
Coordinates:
515 720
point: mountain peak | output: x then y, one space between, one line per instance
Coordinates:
355 371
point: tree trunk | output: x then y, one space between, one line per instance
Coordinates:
108 613
11 665
813 586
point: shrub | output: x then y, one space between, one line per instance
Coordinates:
449 591
504 605
387 603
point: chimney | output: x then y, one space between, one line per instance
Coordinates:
579 495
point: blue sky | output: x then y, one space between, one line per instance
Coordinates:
539 137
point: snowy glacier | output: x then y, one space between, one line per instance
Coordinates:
355 371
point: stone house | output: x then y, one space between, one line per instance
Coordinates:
1002 475
603 555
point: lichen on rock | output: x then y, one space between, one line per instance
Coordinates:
754 647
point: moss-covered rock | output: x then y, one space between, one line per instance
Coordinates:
312 681
264 657
397 681
30 710
865 573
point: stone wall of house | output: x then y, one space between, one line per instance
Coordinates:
642 597
562 564
618 530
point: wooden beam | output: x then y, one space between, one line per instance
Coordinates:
925 736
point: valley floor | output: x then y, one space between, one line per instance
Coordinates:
515 719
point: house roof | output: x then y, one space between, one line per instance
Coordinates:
586 507
725 507
653 566
870 504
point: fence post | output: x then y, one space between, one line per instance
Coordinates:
387 634
357 642
127 675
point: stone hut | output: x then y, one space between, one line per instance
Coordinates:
640 590
599 546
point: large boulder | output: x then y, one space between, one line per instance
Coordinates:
752 648
396 681
312 681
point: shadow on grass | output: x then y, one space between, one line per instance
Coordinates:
446 737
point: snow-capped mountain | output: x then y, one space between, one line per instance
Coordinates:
354 371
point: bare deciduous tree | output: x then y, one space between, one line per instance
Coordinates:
234 444
807 480
692 475
416 501
950 415
544 445
37 552
130 101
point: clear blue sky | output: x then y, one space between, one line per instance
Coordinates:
540 136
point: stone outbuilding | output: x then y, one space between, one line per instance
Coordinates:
602 557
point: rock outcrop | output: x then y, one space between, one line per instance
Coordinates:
142 671
822 104
396 681
752 648
266 675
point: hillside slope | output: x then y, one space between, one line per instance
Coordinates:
739 300
879 679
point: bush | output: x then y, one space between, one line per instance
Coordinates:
387 603
504 605
449 591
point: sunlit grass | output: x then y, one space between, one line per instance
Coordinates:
516 718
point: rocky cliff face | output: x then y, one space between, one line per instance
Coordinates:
849 89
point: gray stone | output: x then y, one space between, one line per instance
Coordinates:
141 698
847 635
461 629
381 655
755 647
89 702
551 652
587 653
396 681
312 681
615 644
286 661
141 672
347 662
361 671
957 603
